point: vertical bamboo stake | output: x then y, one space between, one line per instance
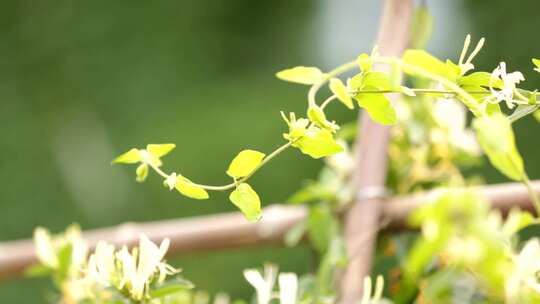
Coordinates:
371 162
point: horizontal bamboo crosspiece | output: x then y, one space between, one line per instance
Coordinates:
231 230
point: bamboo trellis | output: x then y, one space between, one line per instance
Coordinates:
231 230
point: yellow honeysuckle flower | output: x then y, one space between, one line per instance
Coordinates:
151 156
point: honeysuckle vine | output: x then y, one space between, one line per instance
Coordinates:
481 92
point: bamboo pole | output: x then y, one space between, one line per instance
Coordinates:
231 230
371 162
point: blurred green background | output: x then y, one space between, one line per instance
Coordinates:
82 81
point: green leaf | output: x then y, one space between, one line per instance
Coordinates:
338 88
364 63
426 61
480 79
302 75
536 63
318 143
322 226
317 116
421 27
247 200
536 115
37 270
376 80
379 108
130 157
521 111
187 188
142 172
159 150
170 287
244 163
496 138
295 234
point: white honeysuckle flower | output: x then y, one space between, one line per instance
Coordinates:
466 65
140 266
288 288
509 81
79 251
263 284
101 264
527 265
367 298
45 250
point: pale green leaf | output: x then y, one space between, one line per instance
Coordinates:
496 138
536 63
170 287
536 115
421 27
522 111
407 91
376 80
159 150
142 172
187 188
130 157
244 163
317 116
247 200
364 63
302 74
480 79
428 62
379 108
318 143
338 88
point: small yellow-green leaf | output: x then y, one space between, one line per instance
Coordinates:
244 163
302 74
142 172
536 63
317 116
130 157
159 150
426 61
496 138
338 88
376 80
482 79
318 143
379 108
187 188
364 63
247 200
536 115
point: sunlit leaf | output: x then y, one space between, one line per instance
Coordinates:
379 108
317 116
480 79
130 157
496 138
187 188
536 63
338 88
376 80
302 74
364 63
244 163
247 200
159 150
318 143
426 61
